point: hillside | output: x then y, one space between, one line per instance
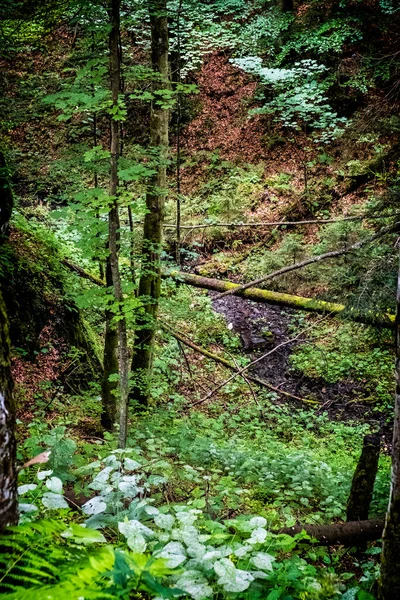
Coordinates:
166 433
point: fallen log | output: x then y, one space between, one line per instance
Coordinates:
385 320
353 533
82 273
310 261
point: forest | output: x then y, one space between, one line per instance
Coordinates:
199 299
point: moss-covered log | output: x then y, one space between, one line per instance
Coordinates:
347 534
297 302
362 486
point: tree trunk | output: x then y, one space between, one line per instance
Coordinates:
150 279
110 362
390 565
362 486
113 222
280 299
8 474
6 196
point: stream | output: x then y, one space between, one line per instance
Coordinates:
262 327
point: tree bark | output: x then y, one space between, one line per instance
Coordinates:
390 560
150 279
297 302
8 473
362 486
110 364
113 222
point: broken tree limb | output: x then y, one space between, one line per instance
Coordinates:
281 223
385 320
309 261
82 273
219 359
353 533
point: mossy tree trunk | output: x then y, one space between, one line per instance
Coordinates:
150 280
110 363
362 486
113 221
390 561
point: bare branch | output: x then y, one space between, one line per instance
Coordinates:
309 261
283 223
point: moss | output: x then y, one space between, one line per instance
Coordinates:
35 290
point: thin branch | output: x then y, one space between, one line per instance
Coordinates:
282 223
315 259
188 342
257 360
82 273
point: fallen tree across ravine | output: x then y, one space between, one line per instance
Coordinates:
386 320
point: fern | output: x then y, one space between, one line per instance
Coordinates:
45 560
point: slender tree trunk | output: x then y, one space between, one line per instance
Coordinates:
390 561
362 486
178 142
113 223
8 475
96 185
131 246
110 362
150 280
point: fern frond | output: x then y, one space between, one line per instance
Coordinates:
38 563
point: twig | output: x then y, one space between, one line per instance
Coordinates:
310 261
246 379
